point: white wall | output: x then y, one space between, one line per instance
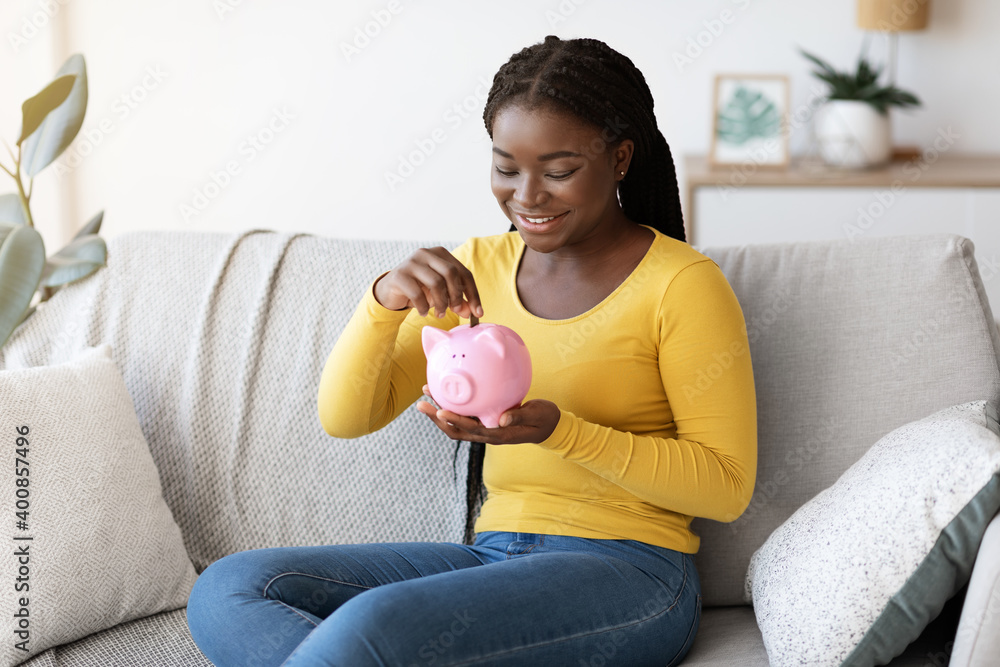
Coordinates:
30 38
177 89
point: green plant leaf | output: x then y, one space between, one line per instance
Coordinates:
866 75
80 258
822 64
61 126
10 209
860 85
36 109
22 259
902 98
92 227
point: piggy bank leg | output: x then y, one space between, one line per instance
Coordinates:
492 419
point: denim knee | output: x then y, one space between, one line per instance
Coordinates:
215 587
203 614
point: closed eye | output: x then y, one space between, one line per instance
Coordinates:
561 176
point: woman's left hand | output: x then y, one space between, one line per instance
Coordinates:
533 421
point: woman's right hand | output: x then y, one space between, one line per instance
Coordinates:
430 278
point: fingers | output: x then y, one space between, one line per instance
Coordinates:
454 285
450 423
431 279
533 421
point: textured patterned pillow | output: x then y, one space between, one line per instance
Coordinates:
858 571
88 540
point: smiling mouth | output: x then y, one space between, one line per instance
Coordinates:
539 220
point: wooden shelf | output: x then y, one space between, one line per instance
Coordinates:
948 170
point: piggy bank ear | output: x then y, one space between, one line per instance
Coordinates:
431 336
493 340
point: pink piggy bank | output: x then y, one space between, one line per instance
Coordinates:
479 371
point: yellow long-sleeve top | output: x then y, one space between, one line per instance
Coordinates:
658 412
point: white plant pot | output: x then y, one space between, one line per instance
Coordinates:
853 134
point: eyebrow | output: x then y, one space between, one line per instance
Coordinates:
541 158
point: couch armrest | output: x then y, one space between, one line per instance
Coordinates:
977 643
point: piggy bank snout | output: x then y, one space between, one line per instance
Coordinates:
457 386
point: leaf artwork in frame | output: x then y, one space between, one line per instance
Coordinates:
748 127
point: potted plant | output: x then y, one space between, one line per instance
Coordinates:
853 126
49 123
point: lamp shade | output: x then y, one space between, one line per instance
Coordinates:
893 15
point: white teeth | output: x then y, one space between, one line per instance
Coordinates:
539 221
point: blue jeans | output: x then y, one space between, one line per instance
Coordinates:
509 599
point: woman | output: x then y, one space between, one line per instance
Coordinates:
641 413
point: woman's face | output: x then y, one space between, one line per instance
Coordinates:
555 177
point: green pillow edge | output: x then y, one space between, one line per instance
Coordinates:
939 576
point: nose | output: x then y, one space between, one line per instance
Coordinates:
530 192
458 387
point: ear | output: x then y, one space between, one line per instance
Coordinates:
622 157
431 336
493 340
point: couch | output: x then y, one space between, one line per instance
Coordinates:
221 338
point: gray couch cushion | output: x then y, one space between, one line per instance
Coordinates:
161 640
848 342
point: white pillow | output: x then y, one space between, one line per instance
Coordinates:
80 501
858 571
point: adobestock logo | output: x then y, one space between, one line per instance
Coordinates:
35 23
768 488
223 7
123 106
913 170
432 649
957 300
562 13
581 332
714 28
723 360
471 106
249 149
791 121
363 35
901 14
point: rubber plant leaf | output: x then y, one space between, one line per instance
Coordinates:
36 109
10 210
93 226
22 260
81 257
61 126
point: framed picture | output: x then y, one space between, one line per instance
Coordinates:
749 125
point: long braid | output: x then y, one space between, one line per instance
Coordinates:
604 88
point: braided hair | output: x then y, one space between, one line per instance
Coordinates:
595 83
602 87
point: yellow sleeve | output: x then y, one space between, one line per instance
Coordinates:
376 369
710 468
